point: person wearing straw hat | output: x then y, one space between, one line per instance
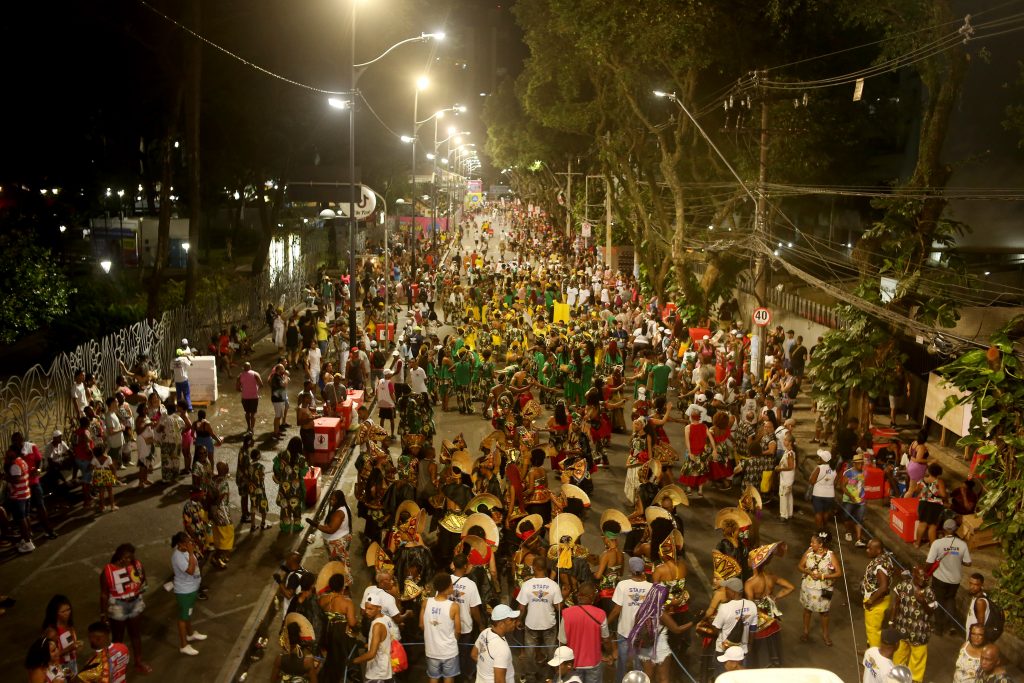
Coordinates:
760 588
854 503
611 563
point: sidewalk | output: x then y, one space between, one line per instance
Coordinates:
876 520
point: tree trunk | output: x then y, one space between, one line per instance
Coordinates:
193 78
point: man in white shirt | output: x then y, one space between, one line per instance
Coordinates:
628 596
540 596
417 379
952 554
313 362
878 660
439 619
386 601
467 595
378 650
571 293
735 612
79 396
182 363
491 652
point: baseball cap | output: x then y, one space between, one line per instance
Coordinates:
387 373
824 455
950 525
719 397
733 584
562 654
503 612
184 342
700 398
636 564
56 433
733 653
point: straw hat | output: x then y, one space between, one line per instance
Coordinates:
656 512
409 506
565 524
495 437
741 518
678 540
573 491
654 467
724 566
330 569
463 461
306 632
377 557
762 554
613 515
483 521
477 544
677 495
411 590
535 520
488 500
750 493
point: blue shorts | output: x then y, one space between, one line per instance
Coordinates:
822 504
442 668
84 470
855 512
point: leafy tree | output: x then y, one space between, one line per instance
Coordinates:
993 382
35 289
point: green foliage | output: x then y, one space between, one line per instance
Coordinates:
1014 120
35 288
993 383
856 362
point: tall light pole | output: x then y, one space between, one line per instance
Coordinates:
422 83
356 70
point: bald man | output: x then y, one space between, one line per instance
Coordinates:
992 669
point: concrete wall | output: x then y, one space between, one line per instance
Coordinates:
803 327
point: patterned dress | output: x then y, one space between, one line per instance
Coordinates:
912 621
256 487
811 590
288 473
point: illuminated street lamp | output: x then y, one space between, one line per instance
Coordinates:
105 265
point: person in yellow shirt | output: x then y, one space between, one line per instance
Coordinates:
322 334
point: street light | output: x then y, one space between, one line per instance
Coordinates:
422 83
338 103
105 265
355 71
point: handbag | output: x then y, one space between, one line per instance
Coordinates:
399 659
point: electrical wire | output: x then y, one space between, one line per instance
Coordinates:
237 57
376 116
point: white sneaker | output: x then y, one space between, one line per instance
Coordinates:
26 547
196 635
189 650
849 537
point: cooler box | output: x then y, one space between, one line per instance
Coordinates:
386 334
326 439
312 482
903 517
357 397
345 415
875 485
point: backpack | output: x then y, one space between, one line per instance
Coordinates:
996 621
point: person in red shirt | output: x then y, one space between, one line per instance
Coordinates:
16 471
33 458
122 583
109 662
584 628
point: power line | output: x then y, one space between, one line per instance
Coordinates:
239 58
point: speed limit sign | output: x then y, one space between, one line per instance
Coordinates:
762 317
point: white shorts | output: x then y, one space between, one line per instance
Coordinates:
279 409
660 652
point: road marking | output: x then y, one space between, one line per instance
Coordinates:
210 616
46 565
701 574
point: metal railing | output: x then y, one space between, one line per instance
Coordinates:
814 311
39 400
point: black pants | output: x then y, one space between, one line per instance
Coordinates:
467 667
945 594
762 649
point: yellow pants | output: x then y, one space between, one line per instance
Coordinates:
873 617
913 656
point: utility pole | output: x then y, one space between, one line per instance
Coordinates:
608 223
568 201
761 229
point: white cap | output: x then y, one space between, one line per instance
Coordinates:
700 398
56 434
184 342
733 653
503 612
706 337
562 654
719 397
824 455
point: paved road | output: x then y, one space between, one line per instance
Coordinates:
847 627
71 564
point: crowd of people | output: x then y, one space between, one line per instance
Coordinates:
478 550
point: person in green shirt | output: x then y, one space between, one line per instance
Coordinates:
587 368
658 377
484 376
463 373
